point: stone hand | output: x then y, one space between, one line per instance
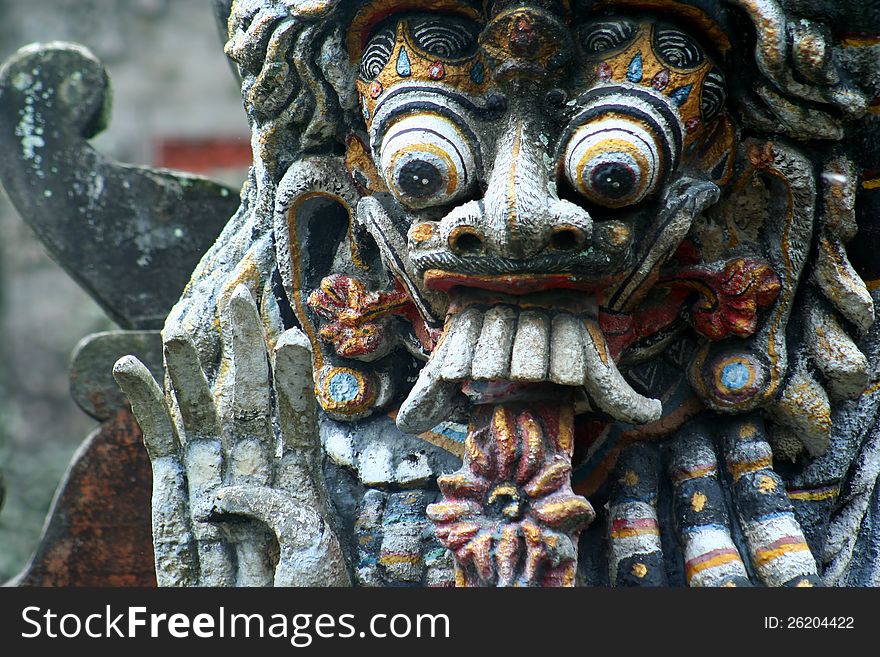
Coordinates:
235 458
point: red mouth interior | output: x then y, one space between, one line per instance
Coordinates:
514 284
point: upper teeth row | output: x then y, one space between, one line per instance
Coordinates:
526 346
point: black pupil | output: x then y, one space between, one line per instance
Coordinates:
419 179
613 180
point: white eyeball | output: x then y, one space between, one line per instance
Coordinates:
613 161
427 161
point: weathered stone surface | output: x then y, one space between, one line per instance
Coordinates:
103 221
98 530
462 337
91 369
567 366
492 353
531 347
389 457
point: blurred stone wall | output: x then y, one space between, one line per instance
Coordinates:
170 81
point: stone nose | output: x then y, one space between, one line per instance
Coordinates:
518 217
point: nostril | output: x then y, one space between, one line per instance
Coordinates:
465 240
567 238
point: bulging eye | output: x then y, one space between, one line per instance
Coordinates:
427 161
614 161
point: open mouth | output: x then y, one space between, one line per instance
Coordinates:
513 284
494 340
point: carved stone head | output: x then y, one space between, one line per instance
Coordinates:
605 207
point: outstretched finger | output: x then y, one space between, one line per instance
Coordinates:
299 472
249 421
203 455
194 399
250 404
148 405
173 546
294 383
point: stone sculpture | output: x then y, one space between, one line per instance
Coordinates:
577 287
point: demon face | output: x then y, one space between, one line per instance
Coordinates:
527 180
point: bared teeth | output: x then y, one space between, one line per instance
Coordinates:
531 348
492 355
461 339
501 345
567 365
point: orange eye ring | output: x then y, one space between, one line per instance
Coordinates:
426 161
613 161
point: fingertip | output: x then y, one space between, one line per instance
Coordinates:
180 350
242 311
241 294
147 404
293 340
190 385
129 369
175 335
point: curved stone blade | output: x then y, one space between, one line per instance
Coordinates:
432 399
130 236
92 385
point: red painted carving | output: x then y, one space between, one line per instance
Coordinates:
729 297
659 310
357 317
509 514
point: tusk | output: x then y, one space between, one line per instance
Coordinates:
431 400
606 384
